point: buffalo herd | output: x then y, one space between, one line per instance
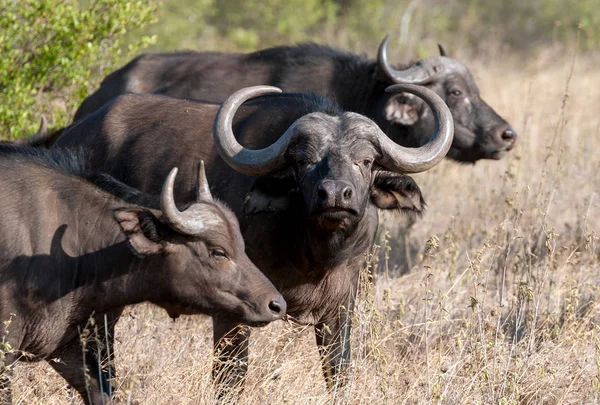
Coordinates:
242 186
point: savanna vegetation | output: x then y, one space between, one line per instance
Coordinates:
491 298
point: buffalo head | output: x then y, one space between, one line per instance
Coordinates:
479 132
333 164
203 247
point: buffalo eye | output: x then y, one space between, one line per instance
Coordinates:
303 162
367 162
456 92
218 253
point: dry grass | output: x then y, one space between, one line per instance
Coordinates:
501 302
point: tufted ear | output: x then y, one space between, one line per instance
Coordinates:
396 191
144 232
269 194
404 109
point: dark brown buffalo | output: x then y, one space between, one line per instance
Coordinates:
69 249
306 198
357 84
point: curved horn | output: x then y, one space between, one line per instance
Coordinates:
251 162
442 50
414 160
43 127
203 190
413 75
189 222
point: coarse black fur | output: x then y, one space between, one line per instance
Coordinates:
356 78
302 103
73 162
69 161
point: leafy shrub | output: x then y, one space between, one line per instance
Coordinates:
53 51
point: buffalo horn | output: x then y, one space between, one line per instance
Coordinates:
415 74
203 190
442 50
250 162
43 127
189 222
414 160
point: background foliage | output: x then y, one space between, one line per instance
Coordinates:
52 51
470 24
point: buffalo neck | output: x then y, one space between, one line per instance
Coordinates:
115 277
96 267
326 249
305 263
363 96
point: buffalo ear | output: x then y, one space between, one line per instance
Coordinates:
143 230
395 191
404 109
269 194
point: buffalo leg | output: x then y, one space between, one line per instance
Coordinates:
333 341
231 352
105 353
82 372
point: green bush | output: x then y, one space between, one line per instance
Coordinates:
53 51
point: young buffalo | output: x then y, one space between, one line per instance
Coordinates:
74 245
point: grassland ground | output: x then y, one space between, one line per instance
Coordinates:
492 297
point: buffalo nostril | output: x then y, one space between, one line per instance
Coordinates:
509 135
347 193
322 193
275 307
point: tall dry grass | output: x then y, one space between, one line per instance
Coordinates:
500 303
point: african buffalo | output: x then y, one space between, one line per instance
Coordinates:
306 198
358 84
73 246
